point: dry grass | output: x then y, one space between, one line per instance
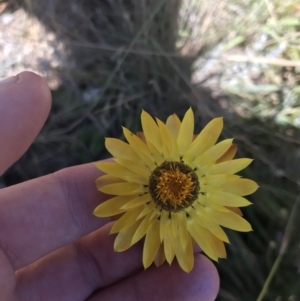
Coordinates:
116 57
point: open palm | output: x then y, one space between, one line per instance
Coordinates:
51 246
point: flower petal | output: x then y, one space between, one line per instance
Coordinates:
185 256
227 199
147 208
203 238
112 206
169 147
123 239
217 180
205 140
240 187
221 251
150 130
117 170
141 136
180 220
155 214
236 210
230 220
125 221
217 231
169 242
123 189
151 245
142 229
157 155
173 123
204 201
211 155
107 179
121 149
160 256
140 148
208 188
136 168
138 201
229 155
229 167
163 221
203 220
186 132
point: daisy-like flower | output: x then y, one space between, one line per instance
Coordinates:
175 189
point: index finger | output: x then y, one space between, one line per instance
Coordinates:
25 102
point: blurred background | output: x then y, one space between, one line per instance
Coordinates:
105 60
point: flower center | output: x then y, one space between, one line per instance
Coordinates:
174 186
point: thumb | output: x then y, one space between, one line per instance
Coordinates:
25 102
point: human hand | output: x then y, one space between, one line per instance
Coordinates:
51 246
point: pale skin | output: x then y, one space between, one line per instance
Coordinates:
51 246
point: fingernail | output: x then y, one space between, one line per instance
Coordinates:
8 81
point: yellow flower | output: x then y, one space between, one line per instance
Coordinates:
175 189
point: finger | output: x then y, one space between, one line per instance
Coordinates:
42 215
77 270
88 265
7 277
25 102
168 283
